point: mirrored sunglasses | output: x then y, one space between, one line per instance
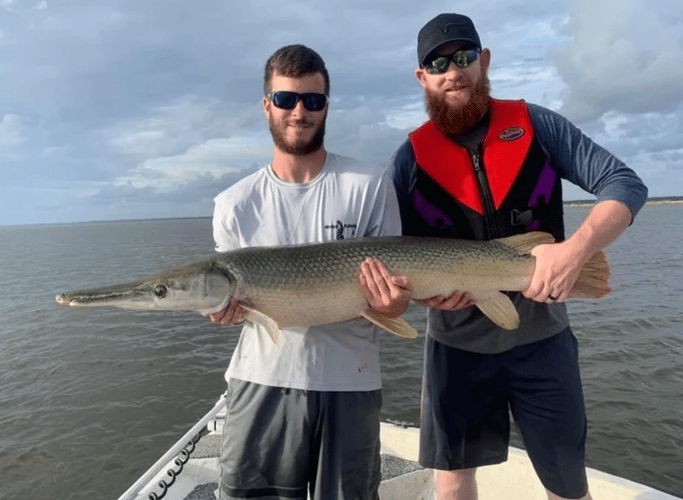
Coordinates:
283 99
461 58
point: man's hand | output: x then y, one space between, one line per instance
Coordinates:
558 264
557 269
387 294
233 314
454 302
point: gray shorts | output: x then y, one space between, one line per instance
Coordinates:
282 443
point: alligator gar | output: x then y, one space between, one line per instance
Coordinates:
313 284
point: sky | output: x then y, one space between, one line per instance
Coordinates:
136 109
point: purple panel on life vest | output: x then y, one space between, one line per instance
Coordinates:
544 189
431 214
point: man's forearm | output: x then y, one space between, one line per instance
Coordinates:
604 224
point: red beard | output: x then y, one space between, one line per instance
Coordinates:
459 120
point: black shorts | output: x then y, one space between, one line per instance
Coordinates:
467 399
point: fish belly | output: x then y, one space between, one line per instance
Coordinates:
308 306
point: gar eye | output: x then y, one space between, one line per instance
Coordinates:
160 291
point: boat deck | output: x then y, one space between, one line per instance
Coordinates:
402 477
205 460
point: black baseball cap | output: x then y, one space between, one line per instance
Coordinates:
445 28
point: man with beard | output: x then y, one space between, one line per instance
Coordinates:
303 414
479 169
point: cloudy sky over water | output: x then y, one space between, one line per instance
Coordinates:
128 109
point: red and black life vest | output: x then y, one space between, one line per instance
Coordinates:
508 188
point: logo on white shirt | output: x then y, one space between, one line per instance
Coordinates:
342 230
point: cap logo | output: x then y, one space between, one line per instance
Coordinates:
443 29
511 134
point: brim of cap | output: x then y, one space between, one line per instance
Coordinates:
474 43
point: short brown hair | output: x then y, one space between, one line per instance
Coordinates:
295 61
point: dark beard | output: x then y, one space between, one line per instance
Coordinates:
456 121
299 148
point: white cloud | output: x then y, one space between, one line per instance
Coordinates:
623 55
154 134
215 157
407 116
173 127
12 131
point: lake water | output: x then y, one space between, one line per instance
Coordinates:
89 399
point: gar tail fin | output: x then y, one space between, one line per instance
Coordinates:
593 280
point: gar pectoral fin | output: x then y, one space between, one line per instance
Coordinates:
266 322
499 309
397 326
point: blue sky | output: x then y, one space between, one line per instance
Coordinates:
133 109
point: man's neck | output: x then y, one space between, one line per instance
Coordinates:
298 169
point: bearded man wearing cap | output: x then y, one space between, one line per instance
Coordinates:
484 168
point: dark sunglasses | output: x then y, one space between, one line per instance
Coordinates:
283 99
461 58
